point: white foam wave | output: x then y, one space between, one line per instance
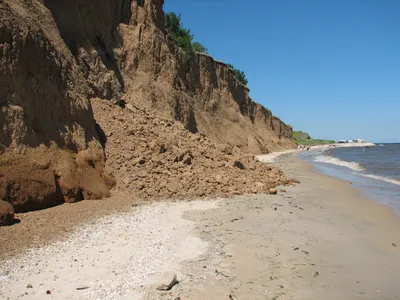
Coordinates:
382 178
336 161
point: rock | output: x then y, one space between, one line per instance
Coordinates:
167 282
130 107
29 286
187 160
239 164
394 245
273 191
259 184
48 292
6 213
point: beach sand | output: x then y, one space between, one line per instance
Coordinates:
320 239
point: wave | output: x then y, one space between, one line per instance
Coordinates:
336 161
382 178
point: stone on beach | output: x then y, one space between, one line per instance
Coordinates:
167 282
273 191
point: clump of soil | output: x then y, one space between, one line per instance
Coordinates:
153 158
38 178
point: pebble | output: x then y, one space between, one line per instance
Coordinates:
170 282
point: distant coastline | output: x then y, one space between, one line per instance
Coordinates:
271 157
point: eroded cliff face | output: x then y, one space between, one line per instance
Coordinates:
57 55
48 137
199 91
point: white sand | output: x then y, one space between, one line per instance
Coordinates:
114 257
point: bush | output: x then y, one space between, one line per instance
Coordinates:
182 36
239 75
199 48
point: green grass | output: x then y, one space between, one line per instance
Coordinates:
303 138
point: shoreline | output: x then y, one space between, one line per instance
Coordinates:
271 157
320 239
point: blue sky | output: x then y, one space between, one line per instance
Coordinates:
327 67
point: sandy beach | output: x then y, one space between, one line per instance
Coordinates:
320 239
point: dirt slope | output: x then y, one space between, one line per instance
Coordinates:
57 55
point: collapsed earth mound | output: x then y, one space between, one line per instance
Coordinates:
153 157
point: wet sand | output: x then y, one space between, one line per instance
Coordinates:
320 239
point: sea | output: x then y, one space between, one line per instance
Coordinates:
374 170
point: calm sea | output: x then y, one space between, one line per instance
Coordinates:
375 170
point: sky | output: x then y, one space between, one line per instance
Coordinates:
327 67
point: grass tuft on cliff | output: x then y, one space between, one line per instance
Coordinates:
303 138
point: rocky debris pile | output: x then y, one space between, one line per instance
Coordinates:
156 158
6 213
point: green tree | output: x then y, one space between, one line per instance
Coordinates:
199 47
182 36
239 74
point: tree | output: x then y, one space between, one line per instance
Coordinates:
182 36
239 74
199 47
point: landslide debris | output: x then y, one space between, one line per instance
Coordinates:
157 158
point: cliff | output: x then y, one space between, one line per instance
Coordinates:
48 138
199 91
55 56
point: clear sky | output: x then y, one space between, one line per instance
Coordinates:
327 67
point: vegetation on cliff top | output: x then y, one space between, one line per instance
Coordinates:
184 39
239 74
303 138
199 48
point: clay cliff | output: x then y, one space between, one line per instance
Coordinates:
55 56
199 91
48 136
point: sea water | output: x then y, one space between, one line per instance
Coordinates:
374 170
